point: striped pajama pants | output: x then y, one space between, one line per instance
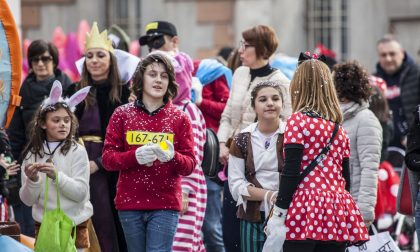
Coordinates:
252 236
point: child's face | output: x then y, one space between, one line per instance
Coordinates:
155 81
268 104
57 125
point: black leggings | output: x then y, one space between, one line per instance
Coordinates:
314 246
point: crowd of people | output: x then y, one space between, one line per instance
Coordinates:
297 158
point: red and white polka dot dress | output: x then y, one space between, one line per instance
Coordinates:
321 208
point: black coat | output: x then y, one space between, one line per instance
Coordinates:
32 93
412 157
409 81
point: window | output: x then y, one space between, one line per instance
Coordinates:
125 14
327 24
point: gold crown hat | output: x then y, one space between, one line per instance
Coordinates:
96 40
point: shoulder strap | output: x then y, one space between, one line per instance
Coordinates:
185 106
46 192
320 156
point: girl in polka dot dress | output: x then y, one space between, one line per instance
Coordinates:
319 213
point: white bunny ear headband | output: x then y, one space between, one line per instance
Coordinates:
55 97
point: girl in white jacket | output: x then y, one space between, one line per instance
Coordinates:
53 153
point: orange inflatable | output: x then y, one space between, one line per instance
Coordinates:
27 241
11 64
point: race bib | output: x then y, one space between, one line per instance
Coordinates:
144 137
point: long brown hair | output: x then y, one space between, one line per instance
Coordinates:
113 77
37 135
137 87
312 89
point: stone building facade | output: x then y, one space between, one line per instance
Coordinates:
349 27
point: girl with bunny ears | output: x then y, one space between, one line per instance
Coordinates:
53 153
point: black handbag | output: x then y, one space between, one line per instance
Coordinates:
211 165
210 162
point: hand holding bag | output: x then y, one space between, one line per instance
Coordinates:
377 242
55 233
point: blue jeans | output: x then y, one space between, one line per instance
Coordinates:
212 225
151 231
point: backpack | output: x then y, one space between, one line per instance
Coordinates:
210 164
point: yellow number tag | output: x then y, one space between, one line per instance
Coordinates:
144 137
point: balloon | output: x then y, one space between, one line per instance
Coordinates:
81 34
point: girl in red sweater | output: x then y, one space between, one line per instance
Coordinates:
150 143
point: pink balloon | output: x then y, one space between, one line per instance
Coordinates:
59 38
25 66
135 48
26 43
72 52
81 34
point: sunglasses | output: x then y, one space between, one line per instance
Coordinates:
44 59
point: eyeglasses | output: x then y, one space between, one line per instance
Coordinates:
44 59
243 44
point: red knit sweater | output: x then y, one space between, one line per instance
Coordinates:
141 187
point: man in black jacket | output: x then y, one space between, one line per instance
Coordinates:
402 76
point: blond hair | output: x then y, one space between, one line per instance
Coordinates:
312 89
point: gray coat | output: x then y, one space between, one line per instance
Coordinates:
365 134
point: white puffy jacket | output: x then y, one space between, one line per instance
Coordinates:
365 134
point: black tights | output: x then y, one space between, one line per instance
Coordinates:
313 246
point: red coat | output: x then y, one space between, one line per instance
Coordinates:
141 187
